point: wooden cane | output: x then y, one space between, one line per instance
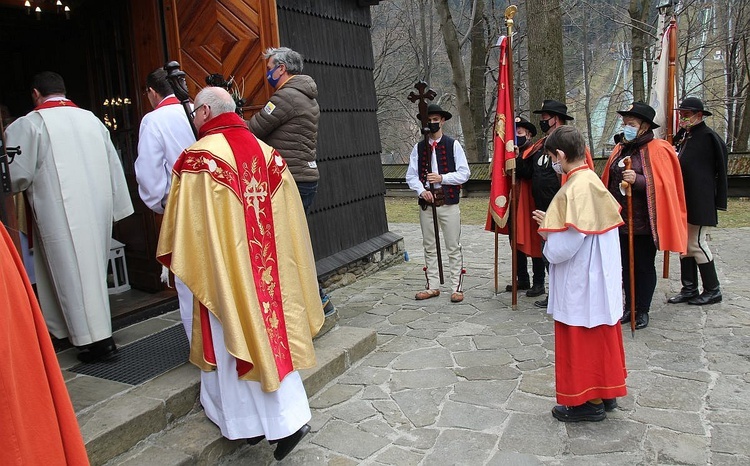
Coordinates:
627 187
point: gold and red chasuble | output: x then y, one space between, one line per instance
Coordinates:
234 232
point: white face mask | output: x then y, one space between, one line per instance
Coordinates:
557 167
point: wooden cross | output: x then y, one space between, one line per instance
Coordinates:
423 96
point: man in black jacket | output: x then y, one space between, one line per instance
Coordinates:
703 160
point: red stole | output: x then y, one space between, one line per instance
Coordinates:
56 103
171 100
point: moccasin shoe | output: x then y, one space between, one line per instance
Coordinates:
585 412
457 297
426 294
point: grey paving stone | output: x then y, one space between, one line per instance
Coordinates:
489 393
421 406
535 434
467 416
333 395
455 446
733 439
679 421
400 456
483 358
510 458
426 378
540 382
678 448
353 411
489 373
424 358
673 393
348 440
419 438
608 436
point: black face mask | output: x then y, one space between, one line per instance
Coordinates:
544 125
434 127
521 141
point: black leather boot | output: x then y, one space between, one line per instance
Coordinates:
689 277
711 291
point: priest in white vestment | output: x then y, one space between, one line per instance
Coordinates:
76 187
234 231
164 133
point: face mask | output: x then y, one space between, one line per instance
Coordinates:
686 122
557 167
434 127
520 141
544 125
630 133
269 76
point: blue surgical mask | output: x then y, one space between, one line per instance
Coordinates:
630 133
269 76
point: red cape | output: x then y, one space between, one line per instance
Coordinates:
669 194
37 421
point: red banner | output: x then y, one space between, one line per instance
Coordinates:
504 156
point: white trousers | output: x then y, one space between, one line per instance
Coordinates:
449 221
697 245
185 298
240 408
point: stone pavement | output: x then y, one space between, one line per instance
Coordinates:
473 383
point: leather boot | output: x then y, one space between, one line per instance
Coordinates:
689 277
711 291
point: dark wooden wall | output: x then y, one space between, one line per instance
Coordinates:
348 215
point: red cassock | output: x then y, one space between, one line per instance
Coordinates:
37 423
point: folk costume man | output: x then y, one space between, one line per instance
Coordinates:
234 232
289 124
37 422
536 166
441 164
164 133
658 199
76 187
528 241
585 298
703 160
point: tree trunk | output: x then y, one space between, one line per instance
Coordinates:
545 60
477 81
638 41
453 50
586 79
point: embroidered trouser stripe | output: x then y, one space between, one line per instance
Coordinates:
697 246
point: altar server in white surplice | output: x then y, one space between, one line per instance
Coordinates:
76 187
164 133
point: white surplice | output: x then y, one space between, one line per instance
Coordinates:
164 133
76 187
241 408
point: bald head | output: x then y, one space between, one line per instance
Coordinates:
210 103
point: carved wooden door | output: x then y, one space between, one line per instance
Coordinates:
226 37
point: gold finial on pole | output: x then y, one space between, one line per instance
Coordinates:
510 12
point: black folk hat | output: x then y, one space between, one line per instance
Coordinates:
556 108
641 111
693 104
434 109
524 123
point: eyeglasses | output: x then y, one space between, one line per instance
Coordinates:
192 114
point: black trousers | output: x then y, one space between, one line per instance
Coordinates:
537 268
644 255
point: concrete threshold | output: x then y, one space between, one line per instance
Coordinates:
161 422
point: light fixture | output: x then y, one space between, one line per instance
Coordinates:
40 6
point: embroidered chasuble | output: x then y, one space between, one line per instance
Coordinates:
234 231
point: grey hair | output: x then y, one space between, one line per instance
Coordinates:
287 57
217 99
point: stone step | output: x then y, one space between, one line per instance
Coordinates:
161 422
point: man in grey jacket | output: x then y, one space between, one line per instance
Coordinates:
289 124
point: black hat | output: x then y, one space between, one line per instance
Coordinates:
435 109
693 104
556 108
642 112
524 123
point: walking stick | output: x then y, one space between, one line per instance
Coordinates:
627 187
424 95
497 233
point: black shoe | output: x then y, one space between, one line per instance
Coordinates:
625 319
609 404
641 320
707 297
99 351
536 290
683 296
255 440
585 412
543 303
521 286
287 444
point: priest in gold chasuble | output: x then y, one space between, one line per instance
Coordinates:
235 233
